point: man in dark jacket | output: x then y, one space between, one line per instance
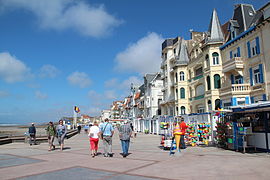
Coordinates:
125 132
32 134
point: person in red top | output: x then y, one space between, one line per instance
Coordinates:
183 127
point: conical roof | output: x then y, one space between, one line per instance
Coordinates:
183 57
215 32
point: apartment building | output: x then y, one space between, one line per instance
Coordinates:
192 71
246 56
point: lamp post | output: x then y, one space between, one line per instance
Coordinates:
132 90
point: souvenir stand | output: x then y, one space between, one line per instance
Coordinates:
253 126
166 128
245 128
199 129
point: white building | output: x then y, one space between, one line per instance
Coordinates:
105 114
153 96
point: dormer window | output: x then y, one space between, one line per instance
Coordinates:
215 58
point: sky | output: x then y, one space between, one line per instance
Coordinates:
57 54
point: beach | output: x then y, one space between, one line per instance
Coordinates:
20 130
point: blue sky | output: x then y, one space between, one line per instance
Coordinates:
57 54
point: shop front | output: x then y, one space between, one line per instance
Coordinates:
247 127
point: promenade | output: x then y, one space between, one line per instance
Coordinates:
146 161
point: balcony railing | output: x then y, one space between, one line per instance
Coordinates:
199 97
195 78
236 89
235 63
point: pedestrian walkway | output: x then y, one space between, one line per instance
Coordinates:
146 161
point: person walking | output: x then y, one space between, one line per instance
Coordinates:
51 133
125 132
94 133
79 129
183 127
107 134
32 134
61 133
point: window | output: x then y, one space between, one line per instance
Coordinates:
253 47
182 93
182 76
176 93
198 71
217 81
207 60
217 104
183 110
257 76
165 56
215 58
239 79
176 78
209 105
208 83
200 90
200 109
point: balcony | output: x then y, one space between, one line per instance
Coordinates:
235 63
236 89
199 97
195 78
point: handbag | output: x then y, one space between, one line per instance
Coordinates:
101 134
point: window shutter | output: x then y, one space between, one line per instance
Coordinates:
252 99
251 76
264 97
258 51
221 105
232 78
230 54
247 100
238 52
261 73
234 101
248 47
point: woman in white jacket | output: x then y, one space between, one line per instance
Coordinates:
94 134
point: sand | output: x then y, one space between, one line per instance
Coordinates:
20 130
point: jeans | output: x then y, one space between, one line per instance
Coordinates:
107 144
125 146
182 142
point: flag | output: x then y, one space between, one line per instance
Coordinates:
77 109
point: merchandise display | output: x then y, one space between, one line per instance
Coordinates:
198 134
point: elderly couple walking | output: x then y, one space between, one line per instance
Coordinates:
105 132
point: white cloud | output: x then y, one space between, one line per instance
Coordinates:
115 83
48 71
78 15
142 57
80 79
126 84
40 95
12 69
111 82
4 94
94 111
110 94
